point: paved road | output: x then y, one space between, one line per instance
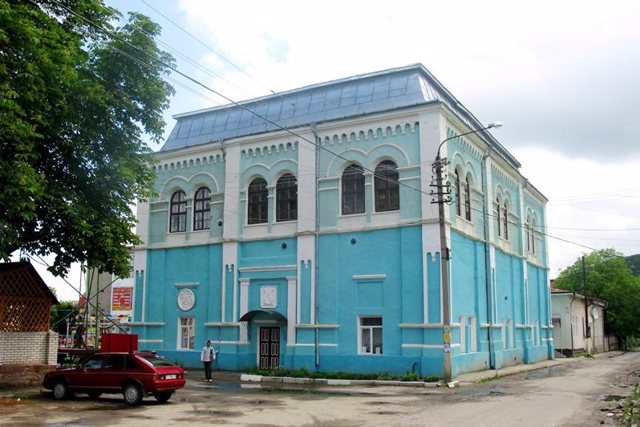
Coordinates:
571 394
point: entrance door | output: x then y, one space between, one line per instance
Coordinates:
269 348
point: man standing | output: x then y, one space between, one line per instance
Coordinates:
208 356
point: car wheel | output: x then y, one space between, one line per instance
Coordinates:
94 394
162 396
60 390
132 394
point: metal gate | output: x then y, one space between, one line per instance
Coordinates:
269 348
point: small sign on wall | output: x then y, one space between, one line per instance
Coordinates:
268 297
121 299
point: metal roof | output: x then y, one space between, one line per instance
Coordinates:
339 99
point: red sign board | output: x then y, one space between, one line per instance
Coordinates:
121 299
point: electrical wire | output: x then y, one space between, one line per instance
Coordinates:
277 125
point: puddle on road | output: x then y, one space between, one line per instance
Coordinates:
305 391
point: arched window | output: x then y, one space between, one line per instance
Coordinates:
287 198
178 212
498 222
527 231
533 226
257 211
467 200
505 219
457 194
387 187
202 209
353 190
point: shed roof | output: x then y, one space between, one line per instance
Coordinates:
8 270
350 97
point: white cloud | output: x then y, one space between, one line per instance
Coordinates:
561 75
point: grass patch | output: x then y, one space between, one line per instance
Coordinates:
488 379
340 375
24 395
631 408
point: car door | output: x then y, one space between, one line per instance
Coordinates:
87 375
113 372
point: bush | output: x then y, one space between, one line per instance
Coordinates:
338 375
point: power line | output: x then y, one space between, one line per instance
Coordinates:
237 104
277 125
209 48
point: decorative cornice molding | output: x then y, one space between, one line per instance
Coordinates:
370 134
268 149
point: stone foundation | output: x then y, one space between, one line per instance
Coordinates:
21 375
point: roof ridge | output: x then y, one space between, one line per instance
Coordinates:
309 87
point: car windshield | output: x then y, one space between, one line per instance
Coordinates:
156 360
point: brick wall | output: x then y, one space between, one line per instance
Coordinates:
28 348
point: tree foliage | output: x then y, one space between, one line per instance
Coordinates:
608 278
61 313
633 262
75 105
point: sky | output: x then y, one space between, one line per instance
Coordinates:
562 77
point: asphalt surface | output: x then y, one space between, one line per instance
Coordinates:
570 392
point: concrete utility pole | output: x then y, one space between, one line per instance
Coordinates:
442 193
587 332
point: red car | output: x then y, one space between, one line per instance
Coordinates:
134 374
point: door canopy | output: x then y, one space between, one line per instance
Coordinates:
268 314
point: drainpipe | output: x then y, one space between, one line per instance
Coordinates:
487 261
316 257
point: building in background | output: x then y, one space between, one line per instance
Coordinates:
298 230
569 327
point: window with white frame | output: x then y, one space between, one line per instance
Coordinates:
257 202
505 219
387 187
467 199
186 333
457 194
353 190
287 198
202 209
532 235
498 219
370 335
178 212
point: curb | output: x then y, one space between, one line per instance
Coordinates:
335 382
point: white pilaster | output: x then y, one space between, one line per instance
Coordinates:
229 263
140 267
231 193
523 252
306 184
306 256
291 309
244 308
142 227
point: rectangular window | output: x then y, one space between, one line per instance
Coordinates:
186 331
370 335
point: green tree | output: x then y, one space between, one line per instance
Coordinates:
75 106
62 312
608 278
633 262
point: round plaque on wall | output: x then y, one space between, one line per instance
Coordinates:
186 299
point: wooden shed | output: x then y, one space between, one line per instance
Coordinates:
25 300
27 346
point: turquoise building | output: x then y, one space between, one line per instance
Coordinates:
298 230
